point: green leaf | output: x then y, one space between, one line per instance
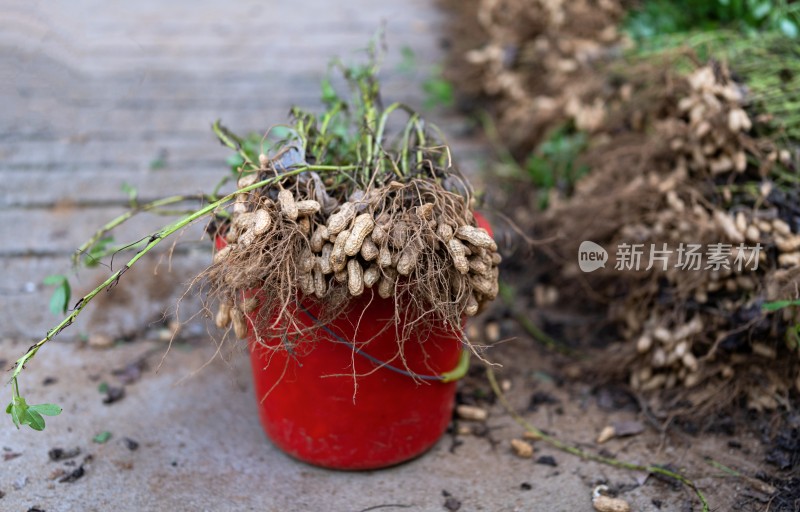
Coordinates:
59 301
46 409
779 304
789 28
102 437
34 420
131 192
439 92
14 412
98 251
329 96
408 60
53 280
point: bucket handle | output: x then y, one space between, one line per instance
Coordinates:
455 374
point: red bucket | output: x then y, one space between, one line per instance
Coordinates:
330 401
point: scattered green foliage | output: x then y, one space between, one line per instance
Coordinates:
659 17
102 438
159 162
439 92
131 192
59 301
779 304
31 415
553 164
408 62
792 336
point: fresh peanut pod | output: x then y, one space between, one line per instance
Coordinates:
477 237
239 323
425 211
485 286
222 254
339 220
384 256
249 304
307 207
261 221
496 258
307 261
372 275
246 180
407 260
379 234
325 259
338 256
386 286
307 283
244 221
444 232
362 227
317 240
341 276
355 278
247 238
304 225
223 318
288 206
458 253
320 283
399 235
369 251
471 308
240 206
477 266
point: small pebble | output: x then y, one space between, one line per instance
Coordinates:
522 449
471 412
606 504
532 436
603 503
606 434
492 332
98 340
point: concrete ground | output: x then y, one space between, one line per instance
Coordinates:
95 95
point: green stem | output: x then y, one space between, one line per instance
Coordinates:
124 218
154 240
573 450
406 141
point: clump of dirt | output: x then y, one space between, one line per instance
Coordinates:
323 220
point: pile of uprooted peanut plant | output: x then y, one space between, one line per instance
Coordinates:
678 149
393 221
